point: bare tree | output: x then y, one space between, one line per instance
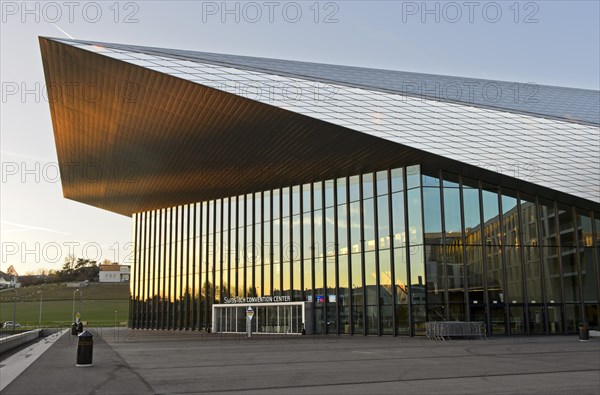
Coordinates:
11 271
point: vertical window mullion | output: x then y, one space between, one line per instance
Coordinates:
503 262
194 309
377 261
135 275
157 264
444 248
336 257
362 253
484 248
392 249
404 192
560 266
521 243
349 257
467 302
578 263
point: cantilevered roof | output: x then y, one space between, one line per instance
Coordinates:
571 104
167 127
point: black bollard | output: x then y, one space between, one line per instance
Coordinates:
85 349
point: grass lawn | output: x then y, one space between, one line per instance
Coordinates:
58 313
60 291
98 306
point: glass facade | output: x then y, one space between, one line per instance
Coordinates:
373 254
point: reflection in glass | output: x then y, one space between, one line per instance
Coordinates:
435 274
329 192
514 277
472 215
432 215
344 276
401 292
415 223
383 222
418 290
369 224
353 184
397 180
413 177
296 262
398 232
589 273
357 293
368 186
382 183
189 256
341 185
342 213
452 222
570 271
355 240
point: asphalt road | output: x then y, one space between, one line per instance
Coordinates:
140 362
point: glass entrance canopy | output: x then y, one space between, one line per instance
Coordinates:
287 318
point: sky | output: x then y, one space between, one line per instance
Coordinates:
542 42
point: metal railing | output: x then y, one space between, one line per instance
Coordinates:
444 330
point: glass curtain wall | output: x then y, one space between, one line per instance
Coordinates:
373 254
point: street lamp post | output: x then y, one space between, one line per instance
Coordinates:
41 300
15 309
74 292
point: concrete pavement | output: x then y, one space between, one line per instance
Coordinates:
160 362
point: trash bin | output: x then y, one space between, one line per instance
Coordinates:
584 331
74 329
85 349
79 327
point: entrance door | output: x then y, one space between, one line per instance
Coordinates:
516 313
498 320
537 320
555 319
280 318
478 314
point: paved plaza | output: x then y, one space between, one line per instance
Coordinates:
164 362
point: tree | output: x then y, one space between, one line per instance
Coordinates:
11 271
69 263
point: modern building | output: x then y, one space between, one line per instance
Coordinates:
114 273
333 199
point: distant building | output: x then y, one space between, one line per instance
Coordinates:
8 281
114 273
78 284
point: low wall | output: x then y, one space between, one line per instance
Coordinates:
10 342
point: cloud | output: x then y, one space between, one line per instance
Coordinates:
24 228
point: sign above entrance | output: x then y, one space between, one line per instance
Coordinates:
263 299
